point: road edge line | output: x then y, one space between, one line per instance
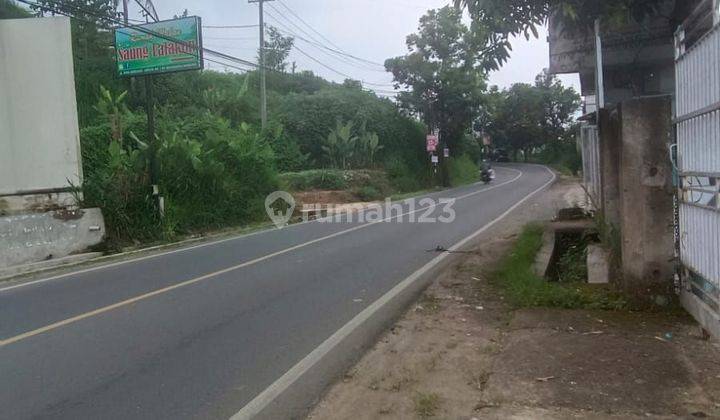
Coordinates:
282 384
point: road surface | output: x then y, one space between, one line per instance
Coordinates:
201 332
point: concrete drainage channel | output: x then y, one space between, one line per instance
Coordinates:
571 248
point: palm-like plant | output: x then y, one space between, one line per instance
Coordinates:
340 144
369 146
113 108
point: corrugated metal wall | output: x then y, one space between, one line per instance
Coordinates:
698 137
590 148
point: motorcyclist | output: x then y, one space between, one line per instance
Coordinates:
487 173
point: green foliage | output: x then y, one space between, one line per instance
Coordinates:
403 178
216 178
368 193
309 118
532 118
524 289
10 10
339 146
277 49
572 264
497 21
462 171
442 73
319 179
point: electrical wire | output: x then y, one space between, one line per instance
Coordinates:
358 61
139 29
283 4
230 26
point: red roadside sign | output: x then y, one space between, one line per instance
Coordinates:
432 142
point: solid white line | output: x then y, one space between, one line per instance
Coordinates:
190 248
262 400
189 282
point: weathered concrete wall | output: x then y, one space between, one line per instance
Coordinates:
40 236
646 192
39 139
37 203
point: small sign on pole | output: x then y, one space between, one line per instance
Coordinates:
446 152
432 142
435 159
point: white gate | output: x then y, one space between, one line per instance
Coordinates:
590 148
697 123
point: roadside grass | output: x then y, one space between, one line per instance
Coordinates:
426 404
523 288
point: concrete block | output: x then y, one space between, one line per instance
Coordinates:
30 238
598 264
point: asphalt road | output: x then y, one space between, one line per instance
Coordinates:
200 332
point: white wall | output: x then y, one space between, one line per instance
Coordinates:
39 138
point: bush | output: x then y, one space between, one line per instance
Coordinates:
402 178
368 193
462 171
211 176
317 179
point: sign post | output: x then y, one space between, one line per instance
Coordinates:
154 48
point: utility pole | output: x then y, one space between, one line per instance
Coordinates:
263 90
152 141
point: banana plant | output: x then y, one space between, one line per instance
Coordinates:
114 109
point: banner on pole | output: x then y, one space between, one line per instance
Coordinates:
159 47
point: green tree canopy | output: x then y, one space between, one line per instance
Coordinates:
443 73
499 20
528 117
277 49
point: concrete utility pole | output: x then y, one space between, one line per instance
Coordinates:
263 92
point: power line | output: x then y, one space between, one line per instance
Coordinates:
282 3
325 65
220 38
339 50
363 63
139 29
230 26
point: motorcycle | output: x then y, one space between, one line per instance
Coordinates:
487 176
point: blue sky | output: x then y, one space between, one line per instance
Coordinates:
370 29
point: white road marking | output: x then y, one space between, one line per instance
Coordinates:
184 249
135 299
262 400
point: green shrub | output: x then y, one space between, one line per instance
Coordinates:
462 171
368 193
402 178
525 289
316 179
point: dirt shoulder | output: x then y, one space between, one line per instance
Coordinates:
461 353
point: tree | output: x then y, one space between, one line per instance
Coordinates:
499 20
277 49
527 117
10 10
444 74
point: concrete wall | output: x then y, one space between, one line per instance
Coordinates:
39 139
646 203
41 236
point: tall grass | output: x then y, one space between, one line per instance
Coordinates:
524 288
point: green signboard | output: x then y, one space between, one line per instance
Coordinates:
159 47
